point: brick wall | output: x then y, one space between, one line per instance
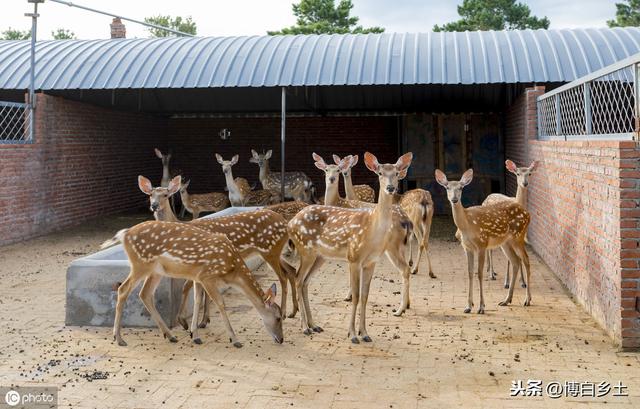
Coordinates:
194 142
585 217
83 164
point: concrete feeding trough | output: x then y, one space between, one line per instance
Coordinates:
92 283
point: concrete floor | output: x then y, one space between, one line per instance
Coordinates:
433 356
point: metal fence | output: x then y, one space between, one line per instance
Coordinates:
15 123
601 105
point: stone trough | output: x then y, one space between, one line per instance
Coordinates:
92 283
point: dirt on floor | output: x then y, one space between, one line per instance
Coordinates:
433 356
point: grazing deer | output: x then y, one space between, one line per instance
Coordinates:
357 236
418 206
522 177
399 231
159 197
156 249
482 228
205 202
239 195
363 193
297 185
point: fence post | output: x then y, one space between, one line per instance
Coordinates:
588 123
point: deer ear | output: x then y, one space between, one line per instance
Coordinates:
219 158
354 160
270 294
402 174
404 161
466 177
336 159
174 184
345 164
268 154
371 162
145 185
158 153
235 159
533 165
319 162
441 178
511 167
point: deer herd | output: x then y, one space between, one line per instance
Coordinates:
210 253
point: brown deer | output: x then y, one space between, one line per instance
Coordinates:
357 236
205 202
418 206
522 177
288 210
156 249
297 185
363 193
239 195
400 228
159 197
481 228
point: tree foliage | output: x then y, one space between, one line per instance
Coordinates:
12 34
626 14
494 15
324 17
185 25
63 34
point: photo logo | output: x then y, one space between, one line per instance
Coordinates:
12 398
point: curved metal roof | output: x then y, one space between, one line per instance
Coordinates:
478 57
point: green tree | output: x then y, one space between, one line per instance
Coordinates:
626 14
494 15
63 34
185 25
11 34
324 17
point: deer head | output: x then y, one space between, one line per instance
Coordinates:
522 174
388 174
227 164
353 161
165 158
184 186
261 160
454 188
158 195
271 315
331 172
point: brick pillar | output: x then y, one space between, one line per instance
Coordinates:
118 30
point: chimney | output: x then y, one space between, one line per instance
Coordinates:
118 30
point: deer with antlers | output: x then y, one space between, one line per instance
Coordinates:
482 228
297 185
357 236
204 202
363 193
169 249
238 193
522 178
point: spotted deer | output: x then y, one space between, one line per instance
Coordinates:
357 236
418 206
168 249
205 202
239 195
400 227
364 193
482 228
522 177
288 210
159 197
297 185
166 173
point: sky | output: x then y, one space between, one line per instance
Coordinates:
251 17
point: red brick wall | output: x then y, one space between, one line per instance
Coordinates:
194 142
585 217
83 164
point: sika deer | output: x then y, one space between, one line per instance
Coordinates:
418 206
205 202
159 197
156 249
522 177
363 193
482 228
297 185
239 195
356 236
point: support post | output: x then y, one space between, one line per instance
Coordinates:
588 123
636 102
283 121
32 69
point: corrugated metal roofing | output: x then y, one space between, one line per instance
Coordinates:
478 57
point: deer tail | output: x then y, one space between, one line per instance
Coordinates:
118 238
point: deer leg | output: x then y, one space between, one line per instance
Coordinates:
354 282
182 320
425 243
306 262
365 283
490 269
470 271
212 291
507 275
515 263
305 288
291 277
123 293
197 299
522 253
523 283
274 263
481 256
146 295
398 261
205 310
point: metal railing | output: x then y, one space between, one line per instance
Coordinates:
15 123
601 105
